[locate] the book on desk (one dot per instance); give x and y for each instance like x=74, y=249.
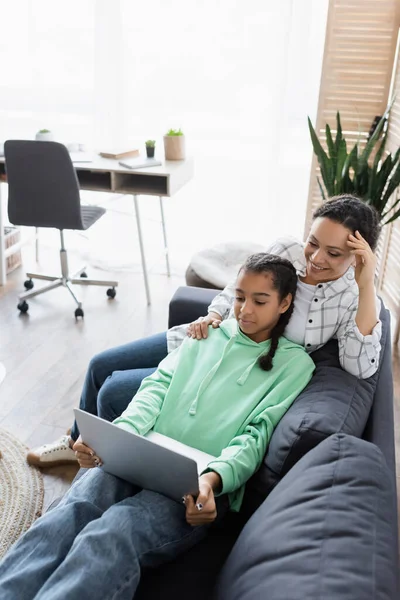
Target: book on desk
x=118, y=154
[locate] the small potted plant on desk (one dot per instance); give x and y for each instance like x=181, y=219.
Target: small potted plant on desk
x=44, y=135
x=150, y=147
x=174, y=145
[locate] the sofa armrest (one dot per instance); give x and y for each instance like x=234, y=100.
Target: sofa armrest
x=380, y=427
x=188, y=303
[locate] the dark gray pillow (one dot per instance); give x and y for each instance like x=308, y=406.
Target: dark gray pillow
x=325, y=532
x=333, y=402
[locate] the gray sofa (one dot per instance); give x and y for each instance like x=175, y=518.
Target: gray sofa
x=320, y=517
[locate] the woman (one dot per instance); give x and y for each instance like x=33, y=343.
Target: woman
x=336, y=298
x=224, y=395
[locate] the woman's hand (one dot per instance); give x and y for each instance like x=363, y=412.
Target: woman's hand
x=366, y=316
x=199, y=328
x=203, y=511
x=365, y=261
x=85, y=455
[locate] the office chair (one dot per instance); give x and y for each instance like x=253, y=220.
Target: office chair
x=43, y=191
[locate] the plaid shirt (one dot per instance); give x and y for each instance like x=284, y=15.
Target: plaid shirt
x=332, y=315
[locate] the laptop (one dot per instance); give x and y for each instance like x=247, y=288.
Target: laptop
x=154, y=462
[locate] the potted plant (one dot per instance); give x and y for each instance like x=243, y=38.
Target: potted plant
x=150, y=147
x=355, y=172
x=44, y=135
x=174, y=145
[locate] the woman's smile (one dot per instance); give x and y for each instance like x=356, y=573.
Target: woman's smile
x=317, y=267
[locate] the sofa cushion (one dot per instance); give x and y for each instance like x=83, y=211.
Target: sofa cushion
x=333, y=402
x=325, y=532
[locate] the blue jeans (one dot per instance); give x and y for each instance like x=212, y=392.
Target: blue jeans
x=96, y=541
x=114, y=376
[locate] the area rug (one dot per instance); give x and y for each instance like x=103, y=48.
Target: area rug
x=21, y=491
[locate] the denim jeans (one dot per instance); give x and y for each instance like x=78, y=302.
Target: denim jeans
x=96, y=541
x=114, y=376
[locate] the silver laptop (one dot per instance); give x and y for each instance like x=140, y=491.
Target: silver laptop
x=154, y=462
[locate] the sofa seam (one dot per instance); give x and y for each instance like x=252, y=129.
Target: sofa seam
x=328, y=510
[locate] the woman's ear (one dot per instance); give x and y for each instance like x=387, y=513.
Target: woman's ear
x=285, y=304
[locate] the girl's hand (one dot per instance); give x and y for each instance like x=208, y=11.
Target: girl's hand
x=203, y=511
x=85, y=455
x=199, y=328
x=365, y=260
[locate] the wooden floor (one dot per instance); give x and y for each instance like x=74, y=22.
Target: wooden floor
x=46, y=355
x=46, y=352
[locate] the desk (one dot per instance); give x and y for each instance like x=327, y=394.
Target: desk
x=106, y=175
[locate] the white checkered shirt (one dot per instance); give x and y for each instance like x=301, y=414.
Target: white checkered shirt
x=331, y=315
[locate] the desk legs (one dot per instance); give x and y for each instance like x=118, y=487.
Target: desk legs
x=165, y=236
x=142, y=255
x=3, y=277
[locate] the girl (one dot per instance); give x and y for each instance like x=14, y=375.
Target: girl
x=224, y=396
x=335, y=298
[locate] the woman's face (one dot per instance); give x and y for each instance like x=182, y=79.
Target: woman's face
x=327, y=253
x=257, y=305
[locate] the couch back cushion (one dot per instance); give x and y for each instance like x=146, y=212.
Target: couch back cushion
x=333, y=402
x=325, y=531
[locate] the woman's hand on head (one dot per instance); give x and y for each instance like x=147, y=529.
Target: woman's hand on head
x=203, y=510
x=199, y=328
x=365, y=260
x=86, y=456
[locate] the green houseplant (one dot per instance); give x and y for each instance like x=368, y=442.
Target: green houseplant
x=374, y=180
x=150, y=147
x=174, y=145
x=44, y=135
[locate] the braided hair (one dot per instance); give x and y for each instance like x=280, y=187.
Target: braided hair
x=354, y=214
x=284, y=280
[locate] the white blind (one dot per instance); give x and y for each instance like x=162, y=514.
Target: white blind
x=390, y=271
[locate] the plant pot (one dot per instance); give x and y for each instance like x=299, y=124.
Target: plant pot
x=174, y=147
x=44, y=137
x=150, y=151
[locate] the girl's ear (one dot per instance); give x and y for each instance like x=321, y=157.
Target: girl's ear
x=285, y=304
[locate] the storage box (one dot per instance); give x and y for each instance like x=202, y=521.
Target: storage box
x=12, y=236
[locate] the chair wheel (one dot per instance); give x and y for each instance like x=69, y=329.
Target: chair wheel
x=111, y=292
x=83, y=274
x=79, y=313
x=23, y=306
x=28, y=284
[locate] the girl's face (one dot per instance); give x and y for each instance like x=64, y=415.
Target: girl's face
x=257, y=306
x=327, y=253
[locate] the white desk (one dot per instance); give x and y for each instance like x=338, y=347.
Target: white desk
x=106, y=175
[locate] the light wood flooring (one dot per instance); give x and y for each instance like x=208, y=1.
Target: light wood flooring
x=46, y=352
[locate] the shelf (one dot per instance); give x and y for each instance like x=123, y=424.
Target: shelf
x=135, y=183
x=96, y=181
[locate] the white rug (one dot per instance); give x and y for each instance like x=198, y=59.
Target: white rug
x=2, y=372
x=21, y=491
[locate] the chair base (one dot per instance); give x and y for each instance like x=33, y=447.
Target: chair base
x=79, y=278
x=66, y=281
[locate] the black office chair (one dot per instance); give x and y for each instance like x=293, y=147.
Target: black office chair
x=43, y=191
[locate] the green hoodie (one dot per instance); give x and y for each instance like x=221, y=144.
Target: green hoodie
x=212, y=395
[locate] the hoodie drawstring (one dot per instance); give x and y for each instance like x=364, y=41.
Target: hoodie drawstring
x=206, y=381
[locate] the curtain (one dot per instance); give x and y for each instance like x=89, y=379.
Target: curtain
x=239, y=78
